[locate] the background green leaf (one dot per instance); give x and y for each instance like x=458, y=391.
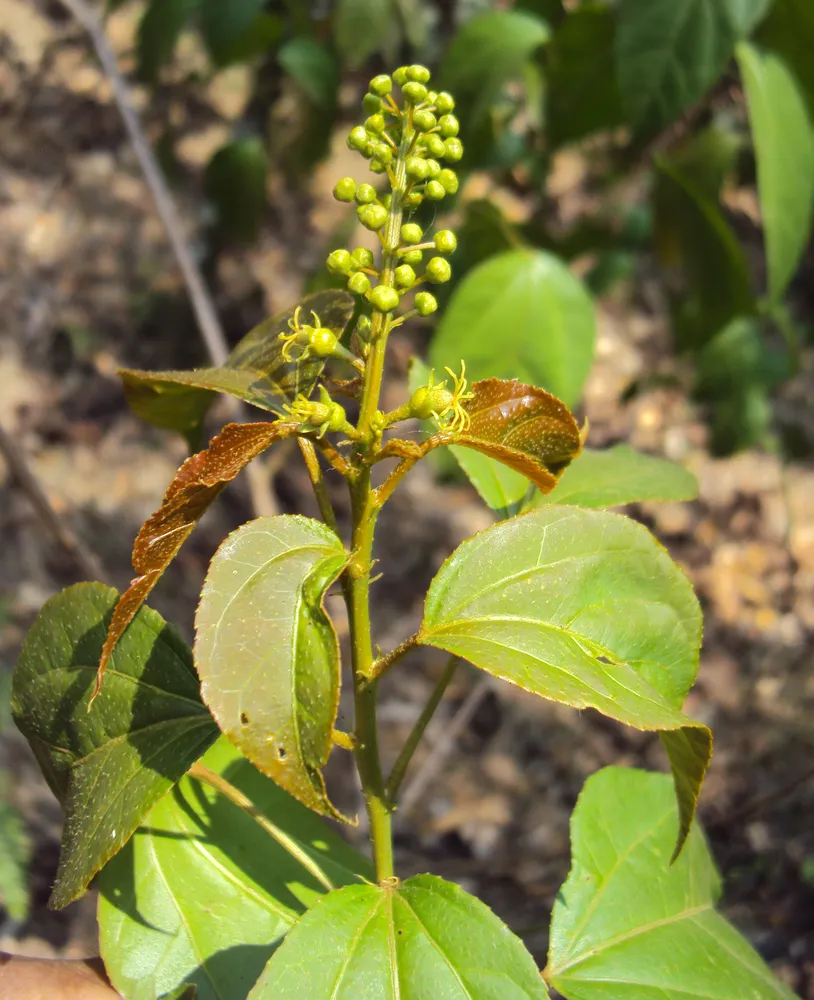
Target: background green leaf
x=789, y=31
x=266, y=652
x=362, y=27
x=313, y=68
x=159, y=29
x=419, y=939
x=235, y=182
x=227, y=26
x=627, y=923
x=783, y=135
x=620, y=475
x=108, y=766
x=15, y=853
x=203, y=894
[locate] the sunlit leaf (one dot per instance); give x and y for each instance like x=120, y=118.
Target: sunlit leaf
x=110, y=764
x=627, y=923
x=789, y=31
x=202, y=894
x=412, y=940
x=266, y=652
x=585, y=608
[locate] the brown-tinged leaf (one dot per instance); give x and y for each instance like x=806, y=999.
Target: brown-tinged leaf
x=199, y=480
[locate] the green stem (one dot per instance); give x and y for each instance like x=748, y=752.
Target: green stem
x=326, y=509
x=412, y=741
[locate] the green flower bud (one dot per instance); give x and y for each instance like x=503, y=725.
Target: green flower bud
x=414, y=93
x=431, y=96
x=405, y=276
x=363, y=326
x=424, y=120
x=411, y=232
x=449, y=179
x=412, y=257
x=383, y=153
x=418, y=72
x=387, y=201
x=438, y=270
x=358, y=138
x=430, y=399
x=359, y=283
x=323, y=342
x=384, y=298
x=446, y=241
x=345, y=189
x=377, y=167
x=381, y=84
x=367, y=152
x=416, y=168
x=444, y=102
x=435, y=191
x=362, y=257
x=375, y=124
x=400, y=76
x=435, y=146
x=425, y=304
x=449, y=125
x=365, y=194
x=371, y=103
x=433, y=169
x=413, y=199
x=339, y=262
x=453, y=150
x=372, y=216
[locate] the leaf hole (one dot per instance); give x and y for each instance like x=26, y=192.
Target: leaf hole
x=244, y=719
x=282, y=753
x=603, y=659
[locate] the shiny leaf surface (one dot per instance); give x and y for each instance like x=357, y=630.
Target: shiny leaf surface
x=110, y=764
x=203, y=894
x=266, y=652
x=584, y=608
x=629, y=924
x=414, y=940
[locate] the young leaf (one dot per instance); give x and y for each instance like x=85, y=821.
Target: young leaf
x=202, y=894
x=620, y=475
x=783, y=135
x=627, y=923
x=197, y=483
x=670, y=52
x=408, y=941
x=584, y=608
x=266, y=652
x=255, y=371
x=108, y=765
x=15, y=853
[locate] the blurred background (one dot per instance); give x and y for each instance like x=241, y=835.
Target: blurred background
x=676, y=188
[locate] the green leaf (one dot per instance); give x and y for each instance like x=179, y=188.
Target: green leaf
x=789, y=31
x=784, y=148
x=313, y=68
x=414, y=940
x=362, y=28
x=182, y=993
x=159, y=29
x=669, y=53
x=110, y=764
x=235, y=182
x=226, y=25
x=620, y=475
x=629, y=924
x=266, y=652
x=585, y=608
x=582, y=95
x=15, y=853
x=203, y=894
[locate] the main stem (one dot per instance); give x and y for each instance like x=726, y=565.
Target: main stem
x=364, y=510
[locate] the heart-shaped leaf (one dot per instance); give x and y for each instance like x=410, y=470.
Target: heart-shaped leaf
x=585, y=608
x=203, y=895
x=197, y=483
x=627, y=923
x=620, y=475
x=255, y=372
x=266, y=652
x=110, y=764
x=408, y=941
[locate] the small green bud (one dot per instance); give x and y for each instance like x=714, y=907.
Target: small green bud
x=372, y=216
x=418, y=73
x=363, y=326
x=435, y=191
x=435, y=146
x=430, y=399
x=375, y=124
x=362, y=257
x=383, y=153
x=371, y=103
x=453, y=150
x=405, y=276
x=433, y=169
x=449, y=125
x=431, y=96
x=322, y=342
x=387, y=201
x=438, y=270
x=424, y=120
x=425, y=304
x=400, y=76
x=414, y=93
x=411, y=232
x=412, y=257
x=339, y=262
x=365, y=194
x=367, y=152
x=377, y=167
x=444, y=102
x=416, y=168
x=413, y=199
x=381, y=84
x=384, y=298
x=449, y=179
x=358, y=138
x=446, y=241
x=345, y=189
x=359, y=283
